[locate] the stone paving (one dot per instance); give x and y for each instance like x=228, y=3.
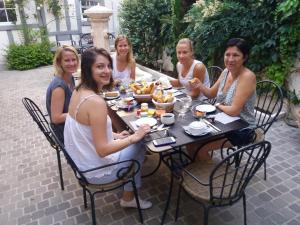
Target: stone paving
x=30, y=192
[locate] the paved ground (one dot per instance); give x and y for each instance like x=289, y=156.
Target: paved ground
x=30, y=192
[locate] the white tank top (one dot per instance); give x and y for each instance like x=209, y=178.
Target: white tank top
x=80, y=146
x=119, y=75
x=184, y=81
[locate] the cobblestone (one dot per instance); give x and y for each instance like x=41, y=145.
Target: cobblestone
x=30, y=192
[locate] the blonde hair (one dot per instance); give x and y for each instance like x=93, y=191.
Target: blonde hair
x=188, y=42
x=58, y=57
x=130, y=58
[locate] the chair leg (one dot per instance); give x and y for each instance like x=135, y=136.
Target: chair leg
x=137, y=201
x=84, y=197
x=168, y=201
x=93, y=208
x=206, y=212
x=244, y=207
x=178, y=202
x=265, y=170
x=60, y=171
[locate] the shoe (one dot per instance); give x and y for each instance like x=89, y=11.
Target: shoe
x=132, y=204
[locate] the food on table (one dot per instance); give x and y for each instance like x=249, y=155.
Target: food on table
x=128, y=100
x=159, y=112
x=200, y=114
x=111, y=94
x=162, y=97
x=194, y=80
x=142, y=89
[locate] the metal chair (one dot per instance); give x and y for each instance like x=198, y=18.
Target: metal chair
x=223, y=183
x=125, y=175
x=43, y=124
x=214, y=74
x=85, y=42
x=268, y=106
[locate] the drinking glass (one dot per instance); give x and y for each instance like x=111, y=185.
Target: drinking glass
x=182, y=106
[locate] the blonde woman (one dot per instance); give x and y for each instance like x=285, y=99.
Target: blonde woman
x=65, y=62
x=189, y=68
x=123, y=61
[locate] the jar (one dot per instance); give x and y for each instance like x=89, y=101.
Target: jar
x=144, y=107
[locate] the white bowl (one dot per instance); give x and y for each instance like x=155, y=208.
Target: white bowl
x=197, y=127
x=167, y=118
x=168, y=106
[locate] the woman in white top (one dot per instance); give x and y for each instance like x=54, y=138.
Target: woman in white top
x=88, y=134
x=123, y=61
x=189, y=68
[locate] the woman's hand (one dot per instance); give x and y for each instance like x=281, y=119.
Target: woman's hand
x=122, y=135
x=195, y=83
x=140, y=133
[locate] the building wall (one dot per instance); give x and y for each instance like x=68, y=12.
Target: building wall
x=71, y=22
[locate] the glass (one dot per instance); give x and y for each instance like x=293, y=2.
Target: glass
x=182, y=106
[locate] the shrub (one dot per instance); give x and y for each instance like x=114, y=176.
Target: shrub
x=25, y=57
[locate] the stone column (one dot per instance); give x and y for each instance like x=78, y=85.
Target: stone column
x=99, y=16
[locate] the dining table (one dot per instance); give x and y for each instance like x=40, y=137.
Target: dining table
x=124, y=119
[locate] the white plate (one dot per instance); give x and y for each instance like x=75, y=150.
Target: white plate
x=121, y=104
x=146, y=120
x=187, y=130
x=206, y=108
x=114, y=97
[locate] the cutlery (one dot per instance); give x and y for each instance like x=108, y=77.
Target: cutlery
x=212, y=126
x=156, y=130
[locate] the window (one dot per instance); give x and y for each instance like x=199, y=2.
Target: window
x=7, y=11
x=86, y=4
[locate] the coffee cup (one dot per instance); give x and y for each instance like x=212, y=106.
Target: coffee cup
x=197, y=127
x=167, y=118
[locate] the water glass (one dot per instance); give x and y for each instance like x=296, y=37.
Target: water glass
x=182, y=106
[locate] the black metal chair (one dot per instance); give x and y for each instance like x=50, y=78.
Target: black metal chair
x=43, y=124
x=223, y=183
x=85, y=42
x=214, y=74
x=268, y=106
x=125, y=175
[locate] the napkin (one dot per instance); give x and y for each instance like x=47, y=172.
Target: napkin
x=224, y=118
x=133, y=124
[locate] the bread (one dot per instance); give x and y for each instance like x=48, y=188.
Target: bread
x=111, y=94
x=194, y=80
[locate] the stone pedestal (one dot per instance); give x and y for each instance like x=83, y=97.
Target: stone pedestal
x=99, y=16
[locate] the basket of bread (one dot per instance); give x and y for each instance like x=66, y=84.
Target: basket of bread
x=164, y=100
x=143, y=92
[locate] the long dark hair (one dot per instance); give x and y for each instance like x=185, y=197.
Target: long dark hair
x=88, y=58
x=241, y=44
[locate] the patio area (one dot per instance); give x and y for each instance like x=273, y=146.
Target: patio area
x=29, y=184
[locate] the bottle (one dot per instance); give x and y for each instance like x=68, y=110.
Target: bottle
x=144, y=107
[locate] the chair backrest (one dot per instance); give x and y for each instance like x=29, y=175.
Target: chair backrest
x=41, y=121
x=64, y=39
x=230, y=177
x=214, y=74
x=268, y=103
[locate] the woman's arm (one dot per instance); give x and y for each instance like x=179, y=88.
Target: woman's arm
x=245, y=87
x=199, y=72
x=132, y=71
x=97, y=114
x=57, y=106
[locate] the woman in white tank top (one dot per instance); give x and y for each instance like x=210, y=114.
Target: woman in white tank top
x=88, y=134
x=123, y=61
x=188, y=68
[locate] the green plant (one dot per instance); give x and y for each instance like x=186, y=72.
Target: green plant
x=140, y=21
x=24, y=57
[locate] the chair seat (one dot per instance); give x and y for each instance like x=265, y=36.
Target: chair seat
x=202, y=172
x=111, y=185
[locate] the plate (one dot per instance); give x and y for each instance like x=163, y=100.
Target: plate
x=206, y=108
x=146, y=120
x=121, y=104
x=111, y=97
x=186, y=129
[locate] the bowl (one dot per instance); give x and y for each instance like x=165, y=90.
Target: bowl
x=167, y=118
x=197, y=127
x=168, y=106
x=143, y=97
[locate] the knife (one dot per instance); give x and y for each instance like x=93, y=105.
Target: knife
x=212, y=126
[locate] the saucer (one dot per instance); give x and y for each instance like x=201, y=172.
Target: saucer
x=187, y=130
x=146, y=120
